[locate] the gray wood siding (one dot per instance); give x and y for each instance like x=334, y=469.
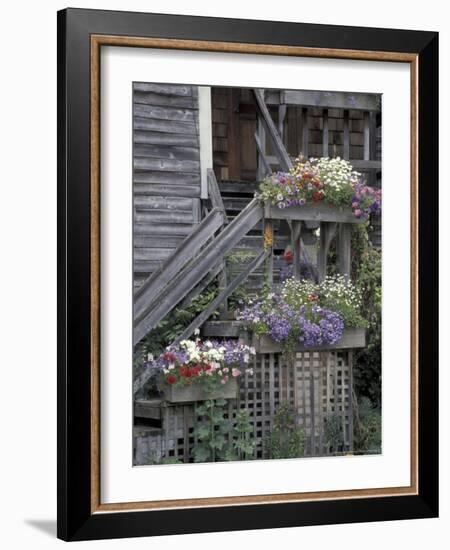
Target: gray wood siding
x=166, y=171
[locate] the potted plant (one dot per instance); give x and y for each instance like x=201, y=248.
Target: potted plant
x=303, y=315
x=197, y=370
x=320, y=189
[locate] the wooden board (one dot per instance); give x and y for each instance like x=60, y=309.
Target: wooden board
x=313, y=212
x=351, y=339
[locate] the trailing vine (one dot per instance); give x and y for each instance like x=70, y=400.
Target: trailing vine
x=366, y=272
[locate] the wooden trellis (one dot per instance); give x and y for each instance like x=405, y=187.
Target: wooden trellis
x=316, y=385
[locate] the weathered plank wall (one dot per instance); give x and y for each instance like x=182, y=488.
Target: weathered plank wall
x=166, y=171
x=234, y=123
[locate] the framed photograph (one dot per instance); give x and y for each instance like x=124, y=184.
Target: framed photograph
x=247, y=274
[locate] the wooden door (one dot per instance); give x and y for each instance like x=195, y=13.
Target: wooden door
x=234, y=125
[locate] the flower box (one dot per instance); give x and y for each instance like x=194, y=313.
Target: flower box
x=320, y=212
x=351, y=338
x=198, y=392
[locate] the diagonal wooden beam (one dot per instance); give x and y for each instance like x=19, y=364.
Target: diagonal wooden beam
x=214, y=194
x=280, y=150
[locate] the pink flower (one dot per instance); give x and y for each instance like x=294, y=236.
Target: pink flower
x=236, y=373
x=358, y=213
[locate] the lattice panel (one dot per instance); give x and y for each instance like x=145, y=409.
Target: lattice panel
x=317, y=386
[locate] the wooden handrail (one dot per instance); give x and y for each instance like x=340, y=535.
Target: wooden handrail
x=222, y=296
x=154, y=308
x=150, y=289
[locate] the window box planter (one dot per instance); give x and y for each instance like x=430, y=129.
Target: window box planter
x=351, y=339
x=320, y=212
x=197, y=392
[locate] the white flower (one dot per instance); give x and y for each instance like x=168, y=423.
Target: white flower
x=197, y=331
x=150, y=357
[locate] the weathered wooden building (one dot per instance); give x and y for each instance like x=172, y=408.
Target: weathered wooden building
x=199, y=154
x=169, y=174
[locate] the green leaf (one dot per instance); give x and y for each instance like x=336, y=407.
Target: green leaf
x=201, y=453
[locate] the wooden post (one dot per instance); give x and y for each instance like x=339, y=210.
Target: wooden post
x=312, y=404
x=268, y=245
x=281, y=118
x=234, y=153
x=305, y=133
x=296, y=229
x=350, y=399
x=261, y=142
x=346, y=149
x=223, y=308
x=344, y=249
x=327, y=232
x=325, y=134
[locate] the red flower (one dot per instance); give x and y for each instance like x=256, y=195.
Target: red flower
x=316, y=183
x=171, y=379
x=288, y=255
x=195, y=371
x=317, y=196
x=169, y=356
x=206, y=367
x=185, y=372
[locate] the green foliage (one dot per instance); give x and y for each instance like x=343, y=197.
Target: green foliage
x=286, y=440
x=366, y=271
x=153, y=459
x=336, y=293
x=334, y=434
x=367, y=427
x=239, y=257
x=242, y=447
x=211, y=431
x=172, y=325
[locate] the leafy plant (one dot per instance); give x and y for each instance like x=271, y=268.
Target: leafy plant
x=211, y=431
x=242, y=447
x=238, y=257
x=154, y=459
x=367, y=427
x=286, y=439
x=334, y=434
x=367, y=271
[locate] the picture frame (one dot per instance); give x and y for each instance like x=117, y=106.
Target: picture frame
x=81, y=35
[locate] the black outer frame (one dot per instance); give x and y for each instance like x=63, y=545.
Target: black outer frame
x=75, y=521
